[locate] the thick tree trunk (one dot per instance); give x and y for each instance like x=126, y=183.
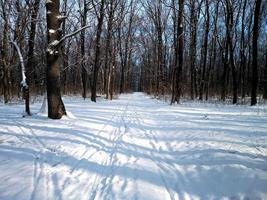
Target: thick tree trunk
x=255, y=80
x=56, y=108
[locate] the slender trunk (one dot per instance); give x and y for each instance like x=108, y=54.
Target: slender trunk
x=229, y=29
x=265, y=75
x=225, y=71
x=30, y=57
x=108, y=52
x=205, y=51
x=255, y=80
x=4, y=52
x=193, y=42
x=179, y=55
x=97, y=50
x=65, y=57
x=213, y=52
x=84, y=71
x=242, y=53
x=24, y=84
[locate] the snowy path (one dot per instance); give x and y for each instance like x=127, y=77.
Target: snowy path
x=134, y=148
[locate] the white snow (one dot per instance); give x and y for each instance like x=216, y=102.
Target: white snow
x=23, y=82
x=134, y=148
x=52, y=31
x=54, y=43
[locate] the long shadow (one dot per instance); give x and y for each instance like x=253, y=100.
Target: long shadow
x=188, y=157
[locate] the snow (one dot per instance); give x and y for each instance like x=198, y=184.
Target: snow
x=134, y=147
x=52, y=31
x=23, y=71
x=54, y=43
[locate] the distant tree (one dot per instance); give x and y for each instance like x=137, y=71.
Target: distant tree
x=255, y=78
x=30, y=55
x=179, y=50
x=205, y=50
x=84, y=71
x=265, y=75
x=5, y=68
x=100, y=20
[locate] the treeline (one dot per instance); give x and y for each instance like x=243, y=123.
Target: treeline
x=204, y=49
x=196, y=48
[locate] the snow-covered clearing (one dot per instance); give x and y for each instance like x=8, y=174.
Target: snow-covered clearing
x=134, y=148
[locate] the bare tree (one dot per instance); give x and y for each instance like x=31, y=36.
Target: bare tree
x=30, y=54
x=100, y=19
x=255, y=53
x=176, y=94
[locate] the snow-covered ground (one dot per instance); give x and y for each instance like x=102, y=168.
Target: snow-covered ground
x=134, y=148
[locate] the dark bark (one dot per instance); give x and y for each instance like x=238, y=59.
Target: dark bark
x=178, y=56
x=56, y=108
x=97, y=50
x=225, y=72
x=205, y=51
x=255, y=80
x=265, y=75
x=4, y=54
x=30, y=56
x=125, y=56
x=213, y=52
x=84, y=71
x=230, y=30
x=242, y=53
x=65, y=54
x=193, y=42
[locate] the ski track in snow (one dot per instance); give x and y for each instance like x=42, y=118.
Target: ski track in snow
x=136, y=148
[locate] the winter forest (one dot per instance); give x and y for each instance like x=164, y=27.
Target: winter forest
x=133, y=99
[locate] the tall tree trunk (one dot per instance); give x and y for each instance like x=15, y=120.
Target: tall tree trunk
x=108, y=51
x=30, y=57
x=242, y=53
x=225, y=71
x=4, y=51
x=230, y=34
x=265, y=75
x=84, y=71
x=179, y=55
x=97, y=50
x=193, y=42
x=213, y=52
x=64, y=52
x=255, y=80
x=56, y=108
x=205, y=51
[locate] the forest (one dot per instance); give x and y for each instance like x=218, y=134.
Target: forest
x=194, y=49
x=133, y=99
